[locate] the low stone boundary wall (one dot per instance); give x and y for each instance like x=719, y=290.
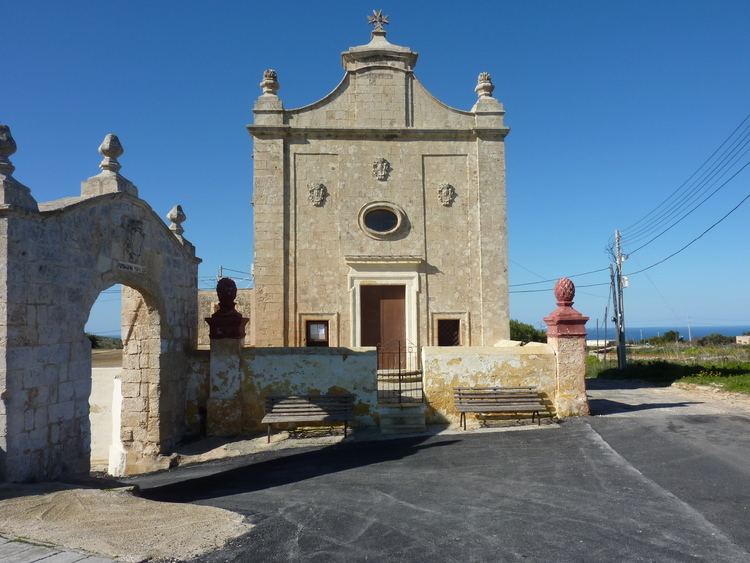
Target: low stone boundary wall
x=236, y=404
x=506, y=366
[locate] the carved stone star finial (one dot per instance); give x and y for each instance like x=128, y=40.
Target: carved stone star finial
x=378, y=20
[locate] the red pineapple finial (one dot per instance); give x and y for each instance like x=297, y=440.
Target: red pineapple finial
x=565, y=291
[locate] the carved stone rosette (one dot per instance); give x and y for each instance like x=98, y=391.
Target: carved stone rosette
x=381, y=169
x=446, y=194
x=317, y=194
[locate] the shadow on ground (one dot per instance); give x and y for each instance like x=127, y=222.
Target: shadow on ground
x=605, y=406
x=272, y=469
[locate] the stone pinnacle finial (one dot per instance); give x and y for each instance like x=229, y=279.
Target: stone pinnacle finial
x=7, y=148
x=270, y=83
x=378, y=20
x=109, y=180
x=176, y=217
x=484, y=87
x=111, y=149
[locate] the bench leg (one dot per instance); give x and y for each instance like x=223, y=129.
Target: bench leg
x=269, y=434
x=538, y=419
x=345, y=425
x=462, y=420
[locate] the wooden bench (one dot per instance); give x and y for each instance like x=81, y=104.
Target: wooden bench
x=498, y=399
x=308, y=408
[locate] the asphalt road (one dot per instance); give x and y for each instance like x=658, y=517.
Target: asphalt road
x=659, y=478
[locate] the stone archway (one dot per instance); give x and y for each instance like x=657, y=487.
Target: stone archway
x=60, y=256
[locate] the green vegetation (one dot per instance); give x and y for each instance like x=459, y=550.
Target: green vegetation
x=726, y=367
x=667, y=338
x=104, y=342
x=715, y=339
x=526, y=332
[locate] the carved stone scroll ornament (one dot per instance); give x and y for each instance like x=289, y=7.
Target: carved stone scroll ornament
x=317, y=194
x=446, y=194
x=381, y=169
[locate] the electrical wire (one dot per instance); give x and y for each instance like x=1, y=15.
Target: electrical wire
x=700, y=236
x=555, y=279
x=707, y=180
x=676, y=191
x=690, y=200
x=552, y=288
x=732, y=177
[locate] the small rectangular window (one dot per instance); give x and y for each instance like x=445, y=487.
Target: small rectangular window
x=449, y=332
x=316, y=333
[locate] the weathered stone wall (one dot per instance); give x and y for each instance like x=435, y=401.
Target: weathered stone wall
x=59, y=260
x=272, y=371
x=511, y=365
x=196, y=392
x=208, y=304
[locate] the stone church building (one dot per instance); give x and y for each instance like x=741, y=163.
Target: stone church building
x=380, y=212
x=380, y=233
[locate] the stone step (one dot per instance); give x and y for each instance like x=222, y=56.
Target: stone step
x=402, y=420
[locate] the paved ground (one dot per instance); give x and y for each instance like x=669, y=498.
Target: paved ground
x=663, y=476
x=23, y=552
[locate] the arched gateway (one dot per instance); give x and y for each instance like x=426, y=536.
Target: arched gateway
x=57, y=257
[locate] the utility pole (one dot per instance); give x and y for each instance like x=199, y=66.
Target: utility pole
x=617, y=286
x=690, y=336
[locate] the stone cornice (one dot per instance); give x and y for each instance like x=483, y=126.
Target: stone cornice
x=357, y=133
x=382, y=259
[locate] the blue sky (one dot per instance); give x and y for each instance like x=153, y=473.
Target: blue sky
x=612, y=106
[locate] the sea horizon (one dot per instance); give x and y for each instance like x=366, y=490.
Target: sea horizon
x=637, y=333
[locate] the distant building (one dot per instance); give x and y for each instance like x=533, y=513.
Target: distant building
x=744, y=339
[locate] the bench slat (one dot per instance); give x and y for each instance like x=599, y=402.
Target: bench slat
x=493, y=399
x=308, y=408
x=305, y=418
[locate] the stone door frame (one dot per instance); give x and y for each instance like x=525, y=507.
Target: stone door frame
x=383, y=271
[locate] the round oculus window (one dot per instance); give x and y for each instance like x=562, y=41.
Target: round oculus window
x=381, y=220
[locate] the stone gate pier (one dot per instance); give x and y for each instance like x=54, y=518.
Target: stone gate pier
x=55, y=260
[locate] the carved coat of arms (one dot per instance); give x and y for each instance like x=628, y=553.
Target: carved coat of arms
x=134, y=238
x=381, y=168
x=317, y=194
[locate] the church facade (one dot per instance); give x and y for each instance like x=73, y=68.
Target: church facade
x=379, y=212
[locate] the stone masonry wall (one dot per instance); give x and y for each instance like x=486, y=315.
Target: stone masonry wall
x=511, y=365
x=59, y=261
x=272, y=371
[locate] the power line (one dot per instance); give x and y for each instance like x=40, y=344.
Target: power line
x=552, y=288
x=700, y=186
x=525, y=268
x=557, y=278
x=703, y=164
x=700, y=236
x=732, y=177
x=690, y=199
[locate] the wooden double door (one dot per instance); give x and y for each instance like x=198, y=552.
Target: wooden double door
x=383, y=321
